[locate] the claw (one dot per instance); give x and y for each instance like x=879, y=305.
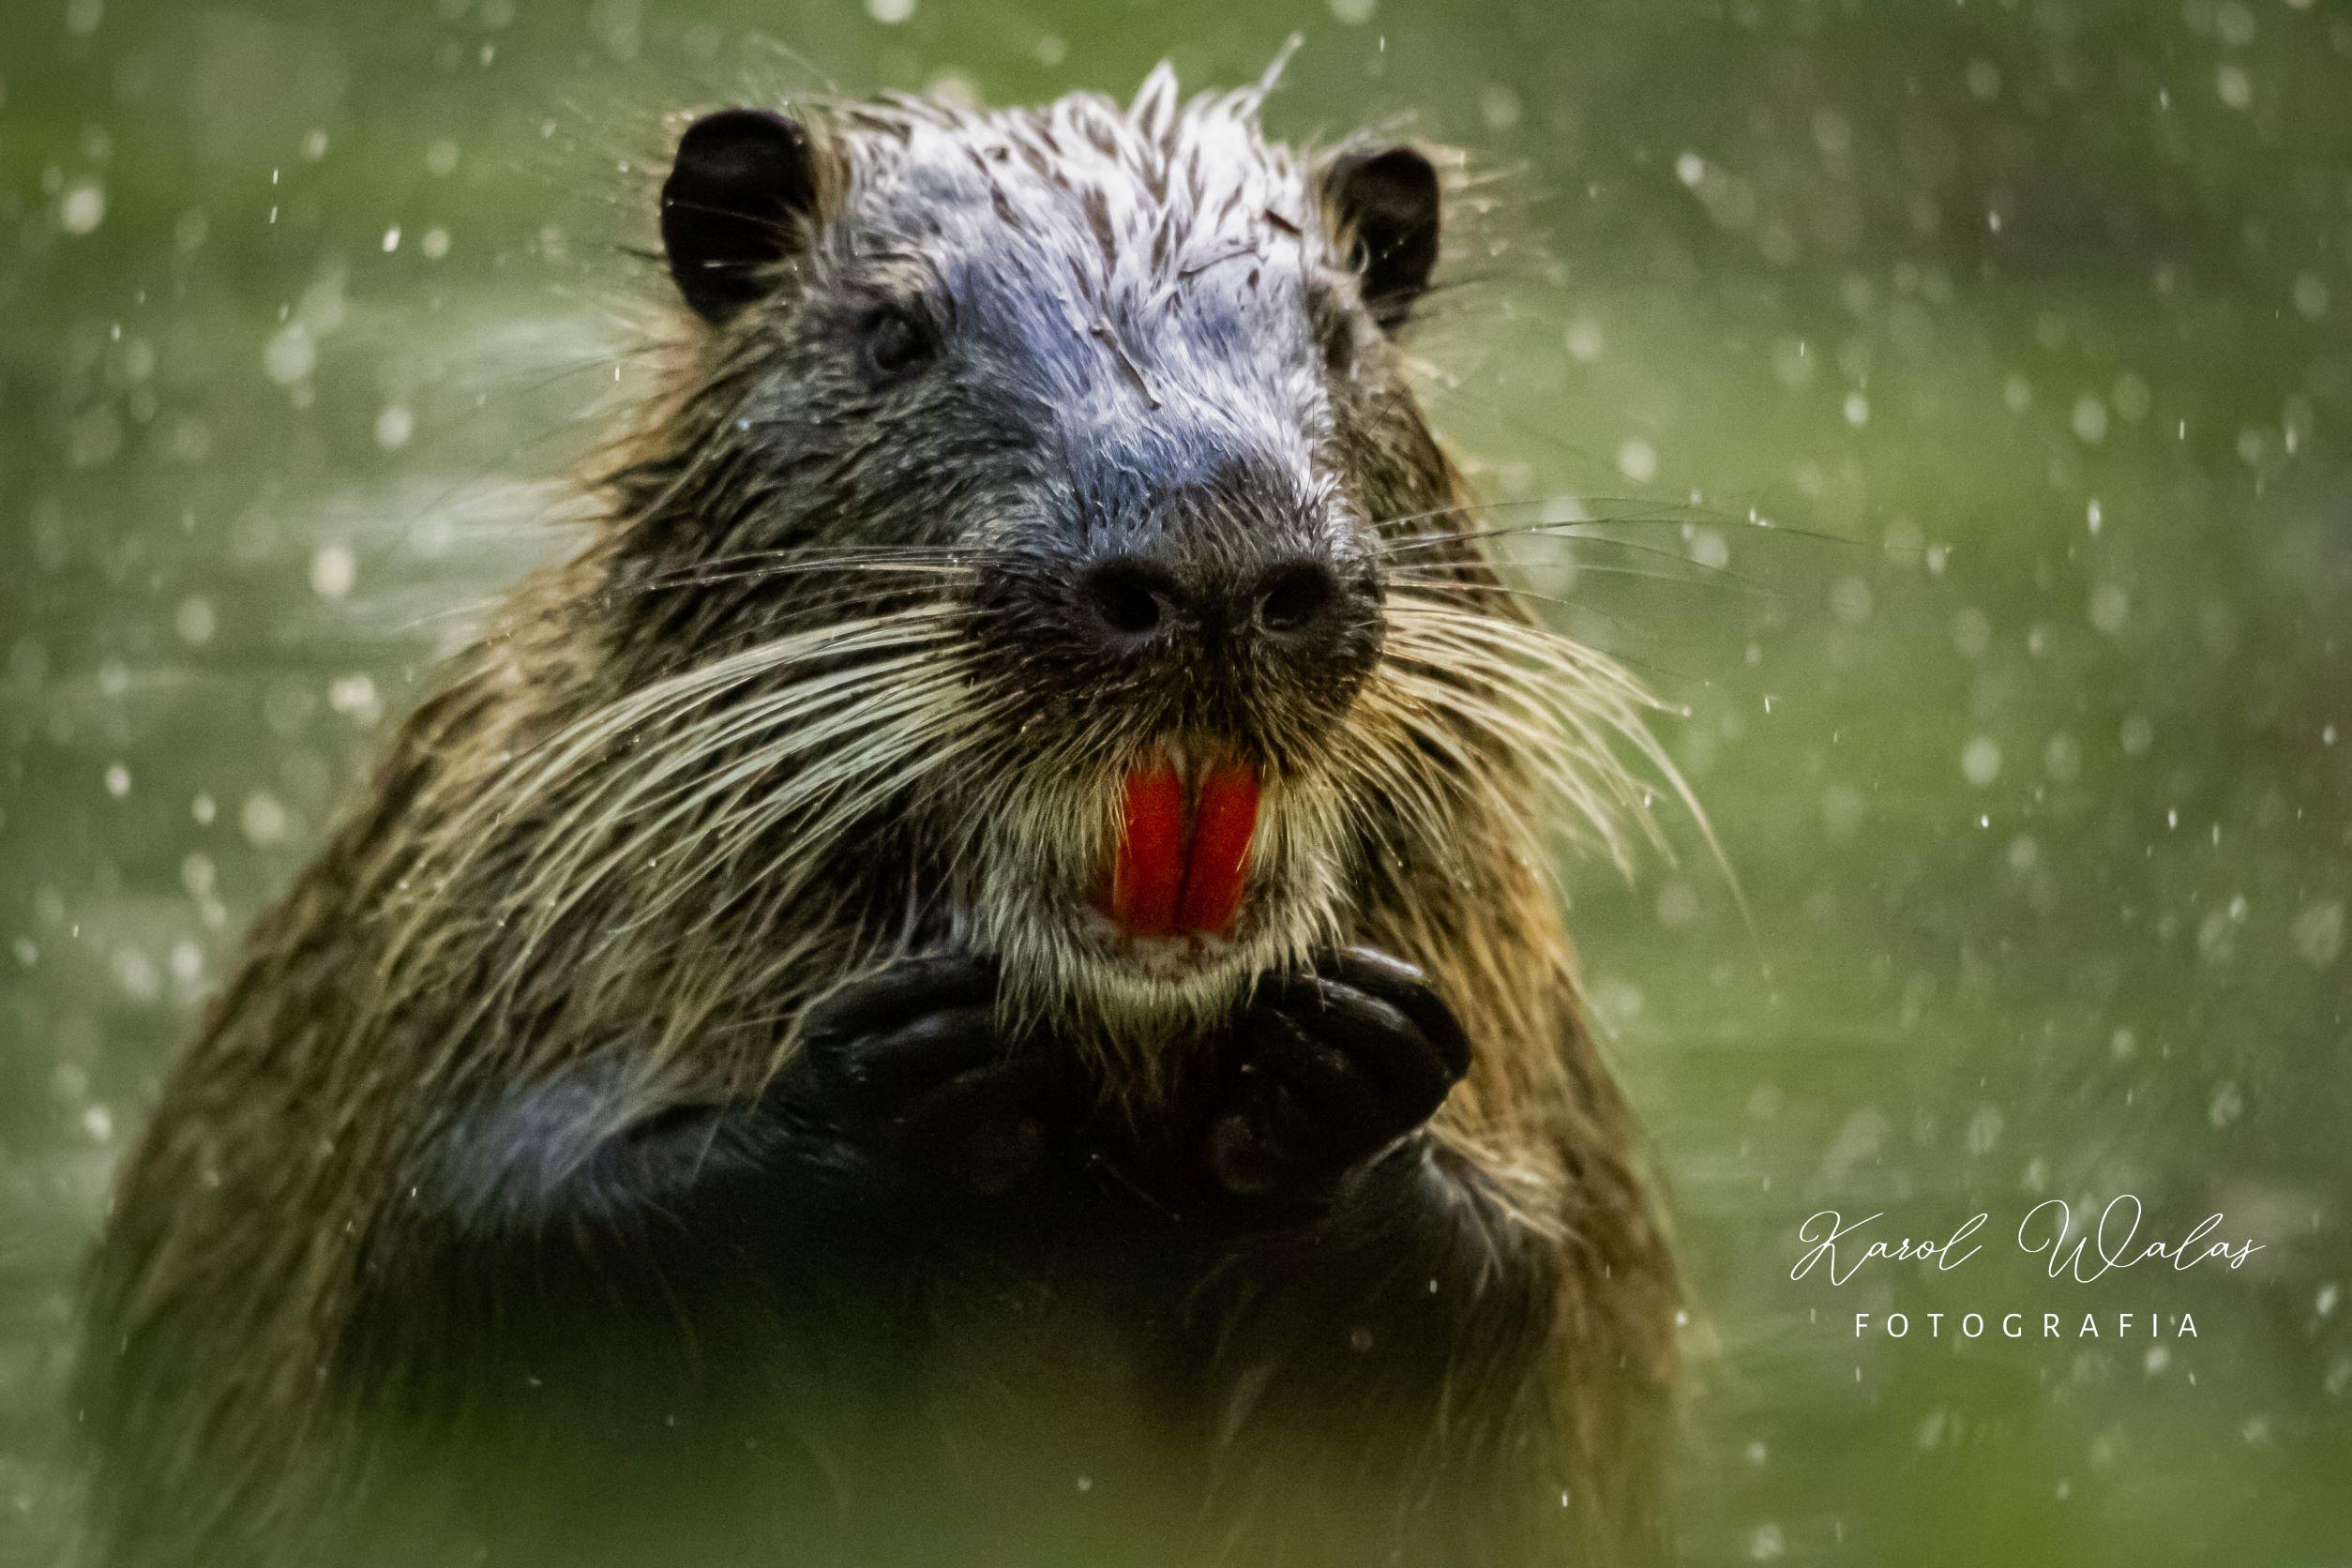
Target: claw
x=1334, y=1067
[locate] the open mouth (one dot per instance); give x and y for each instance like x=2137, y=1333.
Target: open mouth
x=1182, y=854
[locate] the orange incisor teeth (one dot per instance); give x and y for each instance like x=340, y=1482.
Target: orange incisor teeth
x=1181, y=861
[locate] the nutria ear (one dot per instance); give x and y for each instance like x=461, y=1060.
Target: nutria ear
x=1388, y=202
x=735, y=202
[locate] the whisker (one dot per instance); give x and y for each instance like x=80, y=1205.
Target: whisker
x=1472, y=591
x=1565, y=531
x=741, y=821
x=889, y=754
x=878, y=634
x=761, y=562
x=575, y=753
x=1637, y=512
x=815, y=706
x=1560, y=706
x=1427, y=577
x=1649, y=508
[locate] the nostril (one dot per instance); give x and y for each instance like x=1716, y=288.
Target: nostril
x=1126, y=594
x=1293, y=596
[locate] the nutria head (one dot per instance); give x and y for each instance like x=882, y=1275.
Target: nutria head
x=1041, y=524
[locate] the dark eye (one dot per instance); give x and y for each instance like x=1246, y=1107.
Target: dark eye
x=895, y=340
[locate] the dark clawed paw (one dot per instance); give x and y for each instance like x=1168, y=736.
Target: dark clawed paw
x=906, y=1070
x=1330, y=1068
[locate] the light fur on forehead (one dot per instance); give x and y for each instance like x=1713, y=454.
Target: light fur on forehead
x=1161, y=186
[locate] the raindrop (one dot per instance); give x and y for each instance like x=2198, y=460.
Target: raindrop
x=263, y=819
x=291, y=354
x=2319, y=932
x=333, y=570
x=83, y=207
x=2110, y=607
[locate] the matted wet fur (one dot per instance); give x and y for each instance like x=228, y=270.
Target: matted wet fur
x=479, y=1223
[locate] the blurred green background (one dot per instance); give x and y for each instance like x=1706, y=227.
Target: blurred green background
x=2036, y=770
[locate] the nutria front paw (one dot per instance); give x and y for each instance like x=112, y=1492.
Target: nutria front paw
x=905, y=1075
x=1330, y=1068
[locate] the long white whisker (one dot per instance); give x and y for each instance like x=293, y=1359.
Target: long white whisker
x=1562, y=708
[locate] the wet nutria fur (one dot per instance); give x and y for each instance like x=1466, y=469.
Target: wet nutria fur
x=696, y=1107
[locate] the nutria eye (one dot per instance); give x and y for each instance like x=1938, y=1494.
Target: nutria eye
x=896, y=340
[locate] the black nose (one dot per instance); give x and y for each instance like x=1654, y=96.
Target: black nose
x=1298, y=605
x=1293, y=598
x=1130, y=597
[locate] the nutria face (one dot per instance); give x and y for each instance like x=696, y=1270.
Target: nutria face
x=1102, y=402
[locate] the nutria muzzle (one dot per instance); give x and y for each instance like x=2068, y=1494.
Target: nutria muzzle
x=1237, y=605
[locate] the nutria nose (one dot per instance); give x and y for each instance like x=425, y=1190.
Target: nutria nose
x=1288, y=600
x=1298, y=605
x=1130, y=597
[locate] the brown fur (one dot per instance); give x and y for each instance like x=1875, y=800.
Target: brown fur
x=413, y=970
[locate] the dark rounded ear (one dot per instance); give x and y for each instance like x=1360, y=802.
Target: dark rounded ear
x=733, y=205
x=1388, y=201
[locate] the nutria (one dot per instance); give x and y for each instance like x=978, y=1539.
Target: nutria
x=976, y=978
